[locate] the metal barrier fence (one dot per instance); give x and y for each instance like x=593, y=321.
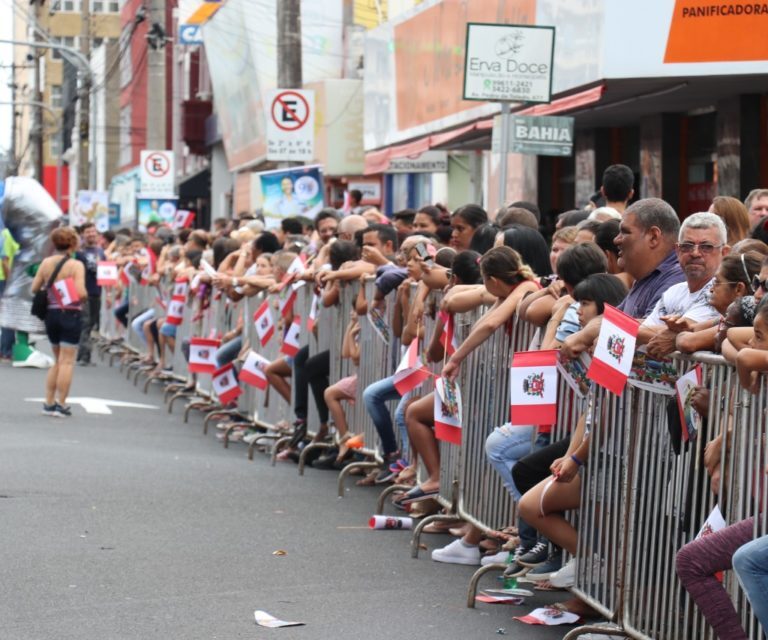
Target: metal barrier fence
x=641, y=500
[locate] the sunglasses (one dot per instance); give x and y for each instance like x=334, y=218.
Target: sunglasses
x=757, y=283
x=705, y=248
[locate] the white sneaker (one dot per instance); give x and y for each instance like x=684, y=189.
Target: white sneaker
x=497, y=558
x=36, y=359
x=566, y=577
x=457, y=553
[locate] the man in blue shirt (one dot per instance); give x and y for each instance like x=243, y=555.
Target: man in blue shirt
x=90, y=254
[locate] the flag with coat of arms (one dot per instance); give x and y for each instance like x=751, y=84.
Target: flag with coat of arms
x=225, y=384
x=614, y=350
x=180, y=287
x=202, y=355
x=106, y=273
x=253, y=371
x=533, y=388
x=292, y=339
x=264, y=322
x=175, y=314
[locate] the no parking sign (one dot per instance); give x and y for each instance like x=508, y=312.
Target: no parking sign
x=290, y=125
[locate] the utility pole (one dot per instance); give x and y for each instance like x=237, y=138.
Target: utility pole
x=13, y=165
x=87, y=137
x=156, y=103
x=37, y=120
x=289, y=75
x=289, y=70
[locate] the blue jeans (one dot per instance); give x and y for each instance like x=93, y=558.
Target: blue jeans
x=376, y=396
x=750, y=562
x=504, y=447
x=137, y=324
x=227, y=352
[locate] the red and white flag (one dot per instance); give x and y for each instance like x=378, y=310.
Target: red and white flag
x=285, y=299
x=411, y=373
x=65, y=292
x=614, y=350
x=448, y=337
x=448, y=411
x=183, y=219
x=106, y=273
x=175, y=313
x=150, y=268
x=313, y=311
x=202, y=355
x=292, y=338
x=125, y=279
x=533, y=388
x=253, y=371
x=180, y=287
x=265, y=323
x=298, y=266
x=225, y=384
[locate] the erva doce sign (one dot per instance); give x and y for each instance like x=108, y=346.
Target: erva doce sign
x=508, y=62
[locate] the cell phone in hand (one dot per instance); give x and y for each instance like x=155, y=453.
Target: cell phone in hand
x=421, y=249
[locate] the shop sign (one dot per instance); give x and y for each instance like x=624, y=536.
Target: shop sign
x=540, y=135
x=508, y=63
x=427, y=162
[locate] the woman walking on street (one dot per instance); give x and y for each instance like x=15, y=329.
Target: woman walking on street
x=64, y=280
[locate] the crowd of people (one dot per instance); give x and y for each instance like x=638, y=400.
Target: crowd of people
x=696, y=285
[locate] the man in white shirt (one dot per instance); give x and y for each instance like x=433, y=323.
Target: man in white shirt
x=700, y=249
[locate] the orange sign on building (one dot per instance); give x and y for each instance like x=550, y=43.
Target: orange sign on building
x=719, y=31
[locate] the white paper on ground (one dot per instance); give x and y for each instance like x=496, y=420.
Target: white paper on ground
x=263, y=619
x=549, y=617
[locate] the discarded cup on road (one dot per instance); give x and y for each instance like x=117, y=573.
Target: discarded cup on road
x=390, y=522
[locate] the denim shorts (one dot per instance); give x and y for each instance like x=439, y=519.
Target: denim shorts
x=168, y=330
x=63, y=327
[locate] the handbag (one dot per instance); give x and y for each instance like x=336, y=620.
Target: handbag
x=40, y=299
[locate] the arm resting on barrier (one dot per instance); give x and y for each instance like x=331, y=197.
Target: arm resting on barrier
x=494, y=318
x=413, y=326
x=579, y=342
x=749, y=364
x=467, y=299
x=691, y=341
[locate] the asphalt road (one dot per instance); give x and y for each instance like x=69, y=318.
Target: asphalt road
x=135, y=525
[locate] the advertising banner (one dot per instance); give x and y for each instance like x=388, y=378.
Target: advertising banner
x=160, y=210
x=291, y=192
x=91, y=206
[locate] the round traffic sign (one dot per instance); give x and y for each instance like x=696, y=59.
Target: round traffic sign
x=290, y=111
x=157, y=165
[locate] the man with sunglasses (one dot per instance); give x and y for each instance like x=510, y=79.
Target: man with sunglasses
x=700, y=249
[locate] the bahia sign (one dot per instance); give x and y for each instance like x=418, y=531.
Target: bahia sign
x=507, y=62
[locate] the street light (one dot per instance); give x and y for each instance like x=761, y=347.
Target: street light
x=85, y=66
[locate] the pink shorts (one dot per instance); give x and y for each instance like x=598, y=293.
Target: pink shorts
x=348, y=386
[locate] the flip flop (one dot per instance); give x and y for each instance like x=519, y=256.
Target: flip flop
x=414, y=495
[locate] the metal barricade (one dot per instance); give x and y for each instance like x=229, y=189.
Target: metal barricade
x=376, y=363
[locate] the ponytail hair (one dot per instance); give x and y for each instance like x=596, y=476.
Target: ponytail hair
x=505, y=264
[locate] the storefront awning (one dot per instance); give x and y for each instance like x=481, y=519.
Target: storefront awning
x=378, y=161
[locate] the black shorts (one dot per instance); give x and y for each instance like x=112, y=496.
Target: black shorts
x=63, y=327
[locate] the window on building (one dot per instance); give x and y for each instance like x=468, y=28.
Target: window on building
x=97, y=6
x=67, y=41
x=54, y=145
x=67, y=5
x=56, y=96
x=97, y=42
x=114, y=7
